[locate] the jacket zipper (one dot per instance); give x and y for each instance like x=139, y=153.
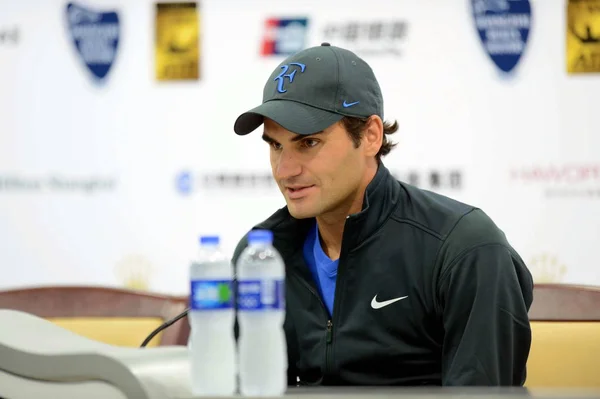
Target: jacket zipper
x=329, y=328
x=328, y=347
x=329, y=366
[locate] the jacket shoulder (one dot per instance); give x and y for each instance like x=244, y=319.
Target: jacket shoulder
x=432, y=212
x=457, y=224
x=459, y=227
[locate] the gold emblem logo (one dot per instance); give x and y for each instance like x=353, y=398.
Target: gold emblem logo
x=583, y=36
x=134, y=272
x=547, y=268
x=177, y=41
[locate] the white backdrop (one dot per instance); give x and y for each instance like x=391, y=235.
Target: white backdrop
x=90, y=174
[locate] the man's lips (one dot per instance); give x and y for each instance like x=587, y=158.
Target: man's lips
x=296, y=192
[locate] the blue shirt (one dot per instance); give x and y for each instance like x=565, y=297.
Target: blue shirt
x=323, y=269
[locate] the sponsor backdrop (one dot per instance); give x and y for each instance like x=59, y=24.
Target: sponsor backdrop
x=117, y=148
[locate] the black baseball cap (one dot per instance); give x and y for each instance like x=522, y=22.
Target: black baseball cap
x=314, y=88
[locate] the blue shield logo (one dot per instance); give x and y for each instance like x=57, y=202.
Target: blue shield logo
x=503, y=27
x=96, y=37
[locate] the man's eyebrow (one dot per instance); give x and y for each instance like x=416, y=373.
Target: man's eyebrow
x=304, y=136
x=268, y=139
x=298, y=137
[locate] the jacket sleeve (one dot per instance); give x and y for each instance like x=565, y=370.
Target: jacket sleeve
x=485, y=295
x=291, y=341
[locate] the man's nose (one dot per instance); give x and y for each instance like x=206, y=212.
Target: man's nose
x=288, y=166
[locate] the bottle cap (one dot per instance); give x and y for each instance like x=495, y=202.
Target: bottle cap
x=209, y=240
x=260, y=236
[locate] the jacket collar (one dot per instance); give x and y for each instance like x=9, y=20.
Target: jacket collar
x=380, y=200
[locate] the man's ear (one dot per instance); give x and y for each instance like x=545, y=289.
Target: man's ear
x=373, y=135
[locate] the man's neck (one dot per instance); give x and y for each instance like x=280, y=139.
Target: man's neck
x=331, y=231
x=331, y=225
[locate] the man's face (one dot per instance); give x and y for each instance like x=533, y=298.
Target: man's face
x=317, y=174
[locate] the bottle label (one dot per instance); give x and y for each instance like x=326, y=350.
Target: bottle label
x=211, y=295
x=261, y=294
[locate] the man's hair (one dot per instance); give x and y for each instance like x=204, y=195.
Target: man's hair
x=356, y=127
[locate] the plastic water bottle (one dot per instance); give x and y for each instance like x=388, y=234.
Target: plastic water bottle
x=212, y=344
x=261, y=312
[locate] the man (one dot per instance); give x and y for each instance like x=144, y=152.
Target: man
x=386, y=284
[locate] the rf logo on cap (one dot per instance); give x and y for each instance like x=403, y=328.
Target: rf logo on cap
x=280, y=78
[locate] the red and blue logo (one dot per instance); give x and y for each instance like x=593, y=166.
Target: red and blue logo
x=284, y=36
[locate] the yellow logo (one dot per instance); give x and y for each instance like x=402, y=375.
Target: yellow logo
x=134, y=272
x=583, y=36
x=546, y=268
x=177, y=44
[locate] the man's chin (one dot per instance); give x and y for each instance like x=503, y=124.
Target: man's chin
x=298, y=213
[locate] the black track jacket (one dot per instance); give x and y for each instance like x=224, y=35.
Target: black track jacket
x=463, y=320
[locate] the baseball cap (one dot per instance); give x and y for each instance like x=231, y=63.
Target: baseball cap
x=313, y=89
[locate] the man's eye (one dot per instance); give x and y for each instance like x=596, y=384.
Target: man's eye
x=310, y=142
x=276, y=146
